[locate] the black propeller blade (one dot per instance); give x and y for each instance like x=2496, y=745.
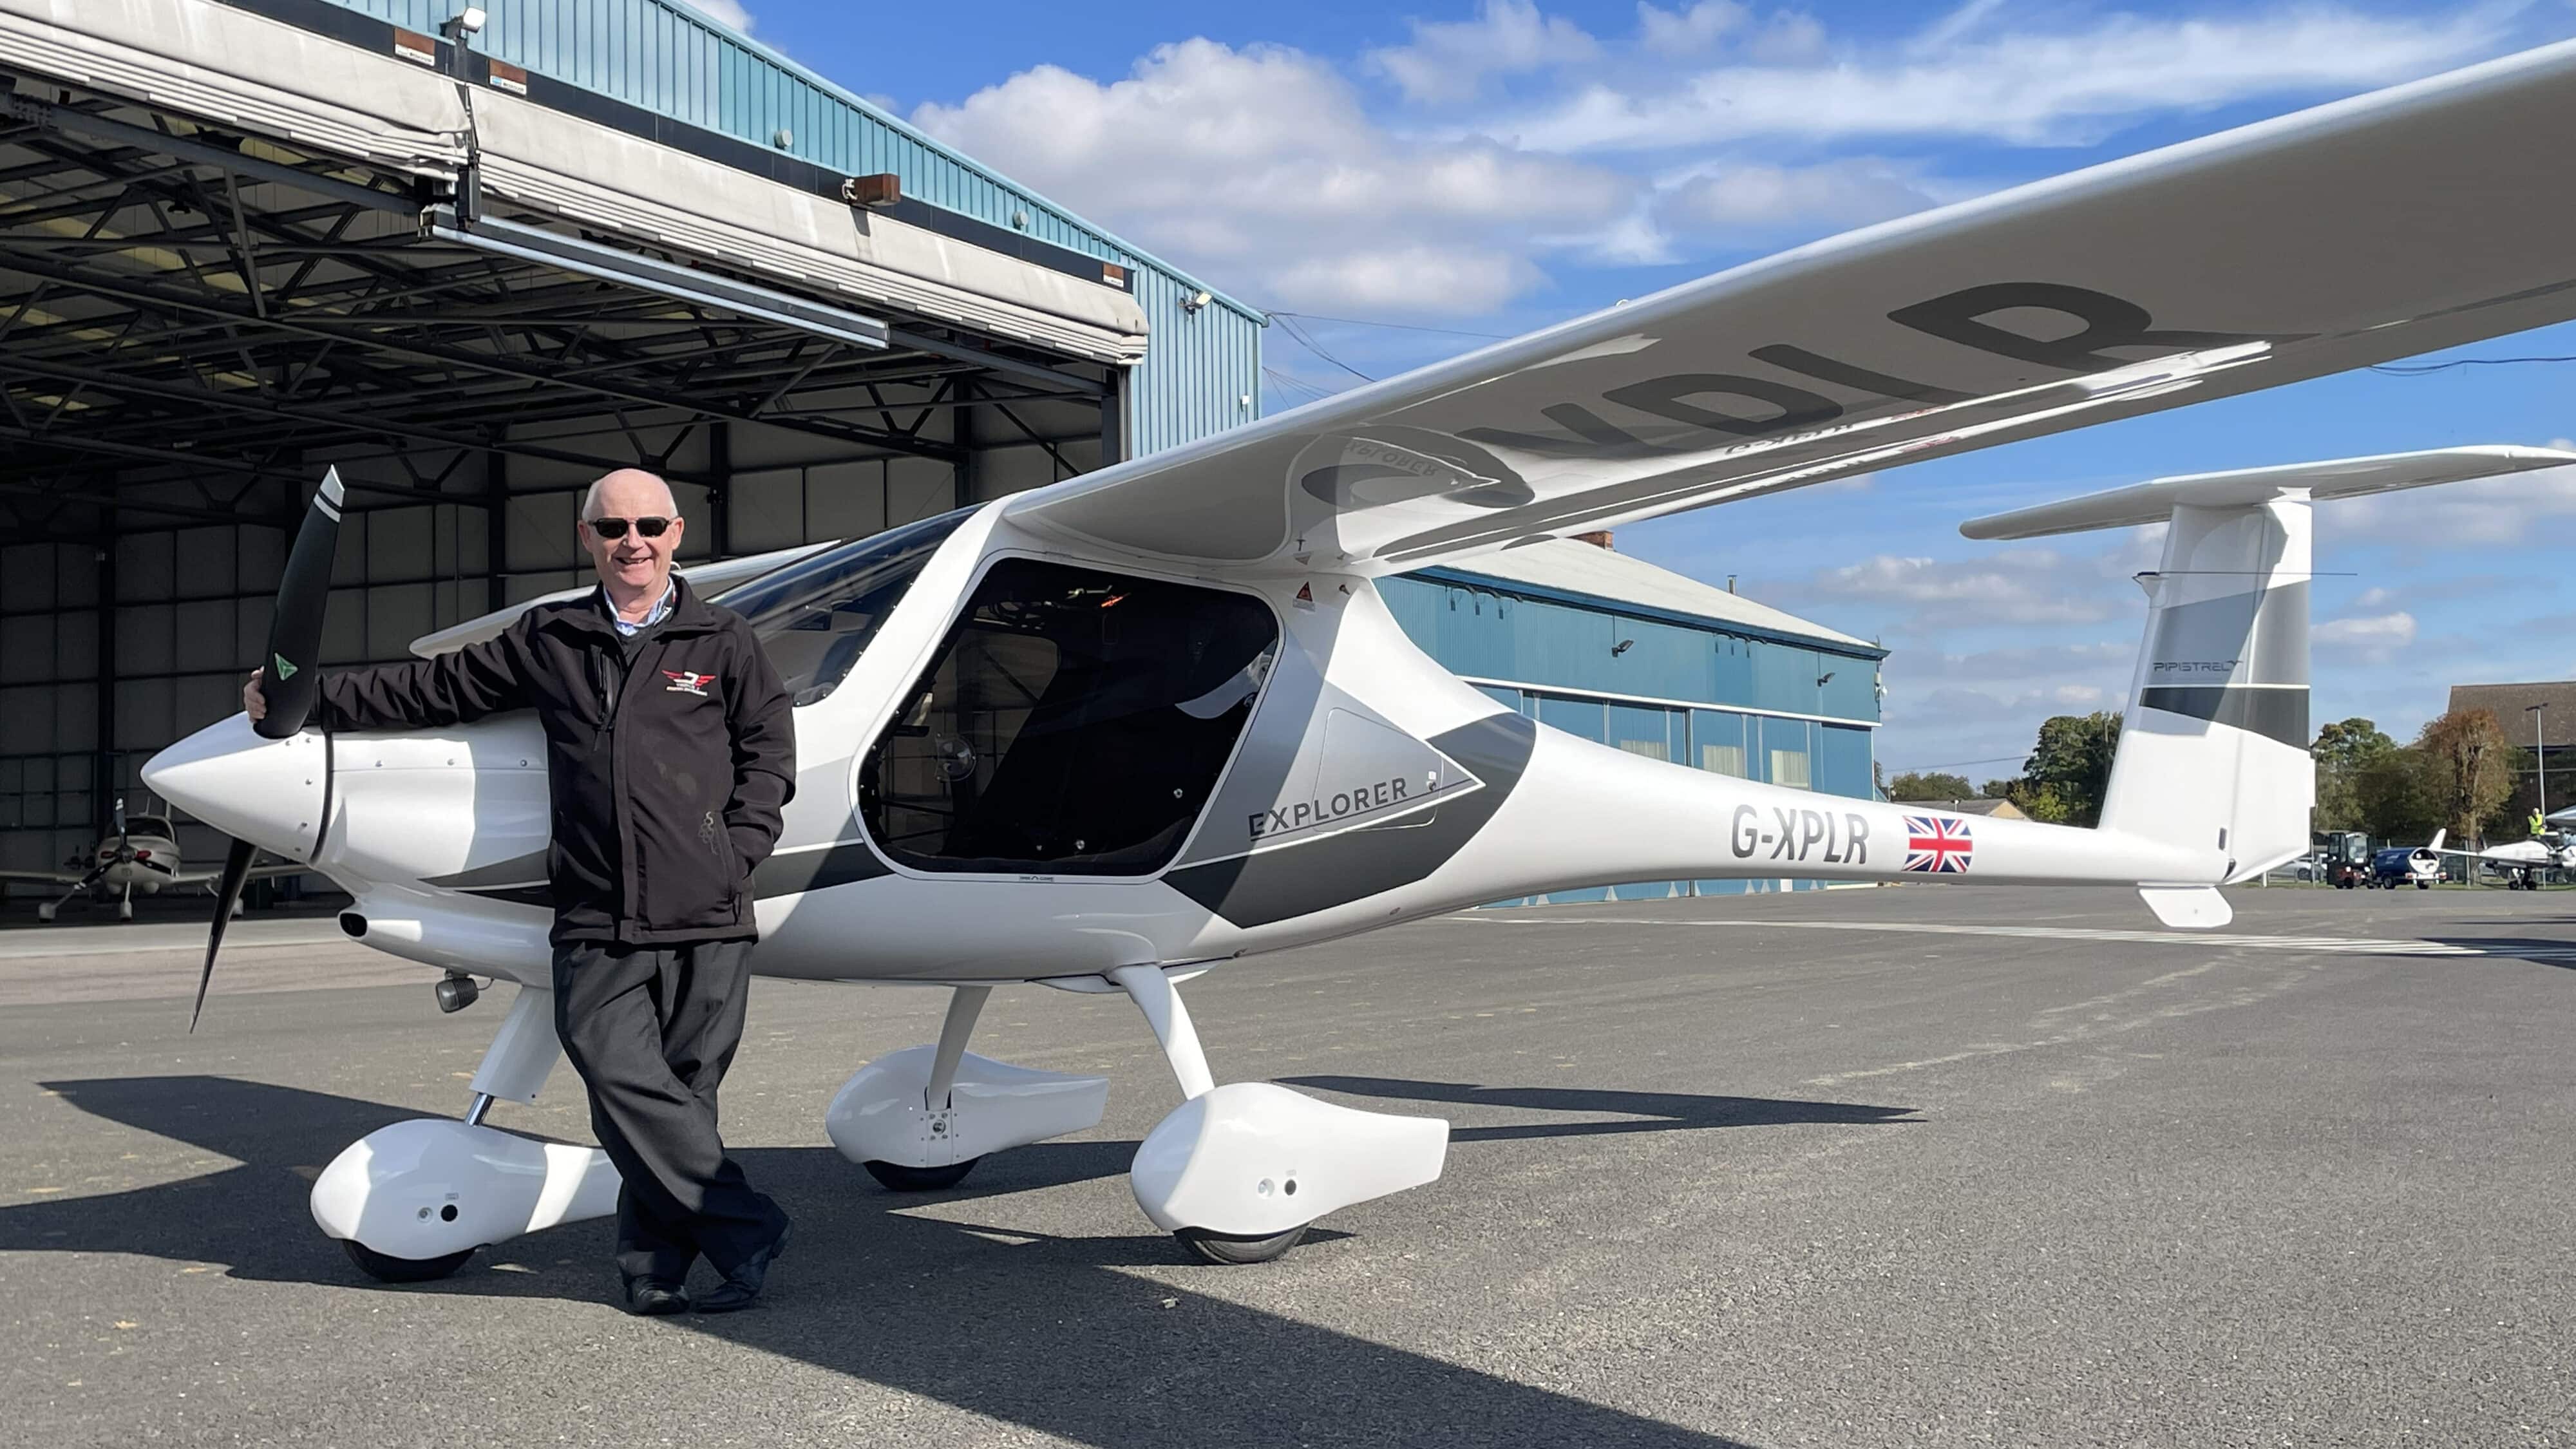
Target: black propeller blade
x=294, y=647
x=295, y=630
x=228, y=890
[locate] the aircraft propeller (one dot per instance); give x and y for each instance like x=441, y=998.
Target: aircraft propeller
x=294, y=645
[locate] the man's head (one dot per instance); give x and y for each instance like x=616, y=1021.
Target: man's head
x=630, y=503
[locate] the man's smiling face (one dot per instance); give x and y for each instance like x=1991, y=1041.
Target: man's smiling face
x=632, y=566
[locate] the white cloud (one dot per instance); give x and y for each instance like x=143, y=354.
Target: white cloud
x=2018, y=586
x=1450, y=60
x=2069, y=86
x=724, y=12
x=1261, y=169
x=1735, y=198
x=2505, y=512
x=2373, y=639
x=1691, y=31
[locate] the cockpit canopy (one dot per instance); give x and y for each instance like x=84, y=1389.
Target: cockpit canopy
x=816, y=616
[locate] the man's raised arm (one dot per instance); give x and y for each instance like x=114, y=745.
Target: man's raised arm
x=452, y=688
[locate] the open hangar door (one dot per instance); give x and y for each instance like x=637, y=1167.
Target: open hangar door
x=198, y=315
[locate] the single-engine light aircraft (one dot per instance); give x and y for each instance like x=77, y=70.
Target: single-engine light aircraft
x=1115, y=732
x=138, y=856
x=2521, y=863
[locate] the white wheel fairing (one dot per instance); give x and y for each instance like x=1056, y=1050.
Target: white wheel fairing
x=1249, y=1159
x=430, y=1187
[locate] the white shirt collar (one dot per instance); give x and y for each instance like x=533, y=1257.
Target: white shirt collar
x=661, y=607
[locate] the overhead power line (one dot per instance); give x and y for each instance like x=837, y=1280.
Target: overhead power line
x=2419, y=369
x=1305, y=339
x=1394, y=326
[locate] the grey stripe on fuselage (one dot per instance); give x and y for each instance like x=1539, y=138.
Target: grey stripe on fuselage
x=1298, y=880
x=522, y=880
x=2278, y=712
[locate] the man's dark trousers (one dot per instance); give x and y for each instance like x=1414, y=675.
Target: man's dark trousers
x=651, y=1029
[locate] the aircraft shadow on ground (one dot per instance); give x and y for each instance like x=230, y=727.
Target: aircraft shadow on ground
x=1651, y=1111
x=1045, y=1332
x=2538, y=950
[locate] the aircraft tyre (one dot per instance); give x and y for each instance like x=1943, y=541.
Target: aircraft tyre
x=1225, y=1248
x=900, y=1178
x=2423, y=885
x=45, y=912
x=386, y=1268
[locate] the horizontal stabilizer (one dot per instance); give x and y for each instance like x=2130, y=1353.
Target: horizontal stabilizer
x=2154, y=502
x=2188, y=908
x=708, y=579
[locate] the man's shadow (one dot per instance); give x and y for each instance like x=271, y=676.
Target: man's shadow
x=1043, y=1331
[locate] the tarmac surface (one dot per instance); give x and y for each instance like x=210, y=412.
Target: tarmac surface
x=1899, y=1166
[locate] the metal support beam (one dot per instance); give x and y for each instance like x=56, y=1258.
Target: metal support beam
x=994, y=362
x=68, y=121
x=195, y=304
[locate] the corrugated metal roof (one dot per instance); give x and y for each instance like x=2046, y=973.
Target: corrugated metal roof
x=1615, y=578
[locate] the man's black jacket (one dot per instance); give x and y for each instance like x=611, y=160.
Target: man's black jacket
x=667, y=778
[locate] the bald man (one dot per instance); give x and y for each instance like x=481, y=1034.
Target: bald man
x=670, y=753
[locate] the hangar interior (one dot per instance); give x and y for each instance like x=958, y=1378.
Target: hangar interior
x=243, y=242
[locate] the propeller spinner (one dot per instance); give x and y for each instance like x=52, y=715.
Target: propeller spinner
x=291, y=676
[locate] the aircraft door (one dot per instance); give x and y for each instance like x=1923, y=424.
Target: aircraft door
x=1075, y=721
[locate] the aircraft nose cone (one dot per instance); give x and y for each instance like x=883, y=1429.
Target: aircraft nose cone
x=268, y=792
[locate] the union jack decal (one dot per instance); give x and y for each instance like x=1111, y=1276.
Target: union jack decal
x=1937, y=845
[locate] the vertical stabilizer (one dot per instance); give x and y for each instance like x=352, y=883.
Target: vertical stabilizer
x=2214, y=744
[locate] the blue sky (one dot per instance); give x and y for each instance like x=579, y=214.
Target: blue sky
x=1489, y=166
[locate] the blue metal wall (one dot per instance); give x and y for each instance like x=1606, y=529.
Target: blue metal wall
x=1700, y=692
x=1200, y=368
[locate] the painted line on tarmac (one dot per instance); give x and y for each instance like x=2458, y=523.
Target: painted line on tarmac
x=2354, y=945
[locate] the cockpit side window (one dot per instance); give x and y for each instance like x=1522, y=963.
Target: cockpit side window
x=817, y=615
x=1074, y=722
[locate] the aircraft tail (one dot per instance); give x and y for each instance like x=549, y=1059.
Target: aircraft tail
x=2213, y=751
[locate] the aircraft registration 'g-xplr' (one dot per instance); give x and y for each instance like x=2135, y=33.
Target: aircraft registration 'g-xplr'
x=1110, y=733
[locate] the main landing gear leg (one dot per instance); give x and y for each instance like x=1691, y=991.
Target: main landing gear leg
x=1239, y=1172
x=920, y=1119
x=411, y=1202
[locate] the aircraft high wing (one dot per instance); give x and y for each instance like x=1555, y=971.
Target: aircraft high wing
x=2306, y=245
x=1115, y=732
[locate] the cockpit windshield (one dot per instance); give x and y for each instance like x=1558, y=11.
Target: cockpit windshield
x=816, y=616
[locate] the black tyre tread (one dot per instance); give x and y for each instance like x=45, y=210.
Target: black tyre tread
x=386, y=1268
x=1229, y=1250
x=899, y=1178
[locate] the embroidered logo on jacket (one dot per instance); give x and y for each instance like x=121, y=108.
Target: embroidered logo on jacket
x=684, y=682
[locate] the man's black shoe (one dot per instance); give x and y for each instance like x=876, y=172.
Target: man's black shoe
x=652, y=1298
x=742, y=1286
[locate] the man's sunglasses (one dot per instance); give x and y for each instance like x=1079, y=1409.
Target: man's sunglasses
x=616, y=527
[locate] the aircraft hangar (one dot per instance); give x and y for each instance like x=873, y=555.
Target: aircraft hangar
x=245, y=240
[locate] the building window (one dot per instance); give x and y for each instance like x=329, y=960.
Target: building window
x=1651, y=749
x=1789, y=768
x=1722, y=759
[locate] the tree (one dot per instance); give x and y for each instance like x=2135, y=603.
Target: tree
x=2472, y=763
x=2396, y=796
x=1929, y=785
x=2344, y=752
x=2070, y=764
